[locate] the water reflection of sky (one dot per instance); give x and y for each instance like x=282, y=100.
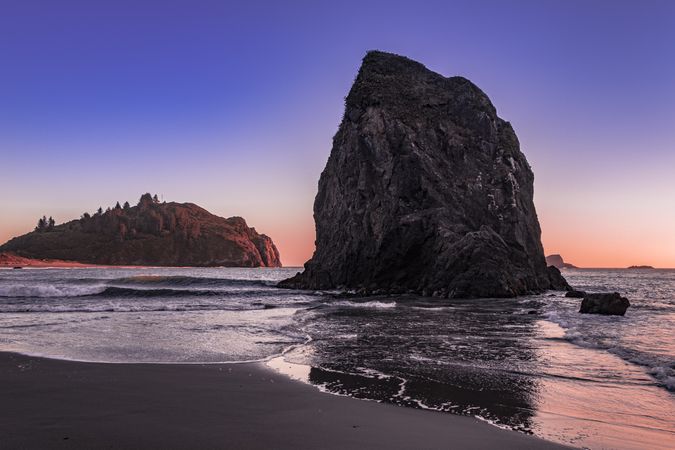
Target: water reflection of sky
x=500, y=360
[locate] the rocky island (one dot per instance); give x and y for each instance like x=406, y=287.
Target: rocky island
x=557, y=261
x=425, y=190
x=150, y=233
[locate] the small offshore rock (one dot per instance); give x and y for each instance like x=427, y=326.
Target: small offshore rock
x=607, y=304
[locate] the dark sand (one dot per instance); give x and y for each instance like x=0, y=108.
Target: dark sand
x=61, y=404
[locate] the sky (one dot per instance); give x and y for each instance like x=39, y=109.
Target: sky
x=233, y=106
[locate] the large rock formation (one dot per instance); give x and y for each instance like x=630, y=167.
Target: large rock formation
x=151, y=233
x=425, y=189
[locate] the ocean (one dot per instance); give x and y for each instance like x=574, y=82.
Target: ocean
x=531, y=364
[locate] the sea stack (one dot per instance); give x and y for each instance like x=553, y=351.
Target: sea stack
x=425, y=190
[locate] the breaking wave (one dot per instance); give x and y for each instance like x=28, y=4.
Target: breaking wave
x=138, y=286
x=369, y=304
x=596, y=333
x=187, y=281
x=49, y=290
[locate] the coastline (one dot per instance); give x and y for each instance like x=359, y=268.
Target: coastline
x=9, y=260
x=65, y=404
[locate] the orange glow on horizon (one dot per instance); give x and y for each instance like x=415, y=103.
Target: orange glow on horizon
x=591, y=243
x=295, y=242
x=602, y=244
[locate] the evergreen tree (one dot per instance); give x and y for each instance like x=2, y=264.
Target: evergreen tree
x=145, y=199
x=126, y=205
x=155, y=199
x=99, y=211
x=51, y=223
x=117, y=205
x=41, y=224
x=85, y=216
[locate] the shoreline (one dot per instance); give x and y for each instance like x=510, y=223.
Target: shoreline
x=9, y=260
x=58, y=403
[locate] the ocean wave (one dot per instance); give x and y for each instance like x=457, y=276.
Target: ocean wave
x=113, y=291
x=666, y=375
x=187, y=281
x=433, y=308
x=49, y=290
x=662, y=370
x=103, y=291
x=124, y=308
x=369, y=304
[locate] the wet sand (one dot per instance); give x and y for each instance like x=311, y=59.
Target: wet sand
x=62, y=404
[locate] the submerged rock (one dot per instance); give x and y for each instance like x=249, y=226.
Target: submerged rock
x=425, y=190
x=607, y=304
x=575, y=294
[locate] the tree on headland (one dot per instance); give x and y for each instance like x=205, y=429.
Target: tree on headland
x=126, y=205
x=45, y=224
x=42, y=224
x=85, y=216
x=117, y=205
x=155, y=199
x=145, y=199
x=99, y=211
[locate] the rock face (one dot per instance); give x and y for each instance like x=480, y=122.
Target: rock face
x=151, y=233
x=557, y=261
x=557, y=281
x=426, y=190
x=608, y=304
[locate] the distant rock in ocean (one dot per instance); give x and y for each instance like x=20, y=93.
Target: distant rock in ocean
x=151, y=233
x=640, y=267
x=425, y=190
x=557, y=261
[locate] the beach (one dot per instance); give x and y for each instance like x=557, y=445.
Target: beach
x=222, y=357
x=64, y=404
x=10, y=260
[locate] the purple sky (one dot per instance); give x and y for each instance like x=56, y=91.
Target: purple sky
x=233, y=107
